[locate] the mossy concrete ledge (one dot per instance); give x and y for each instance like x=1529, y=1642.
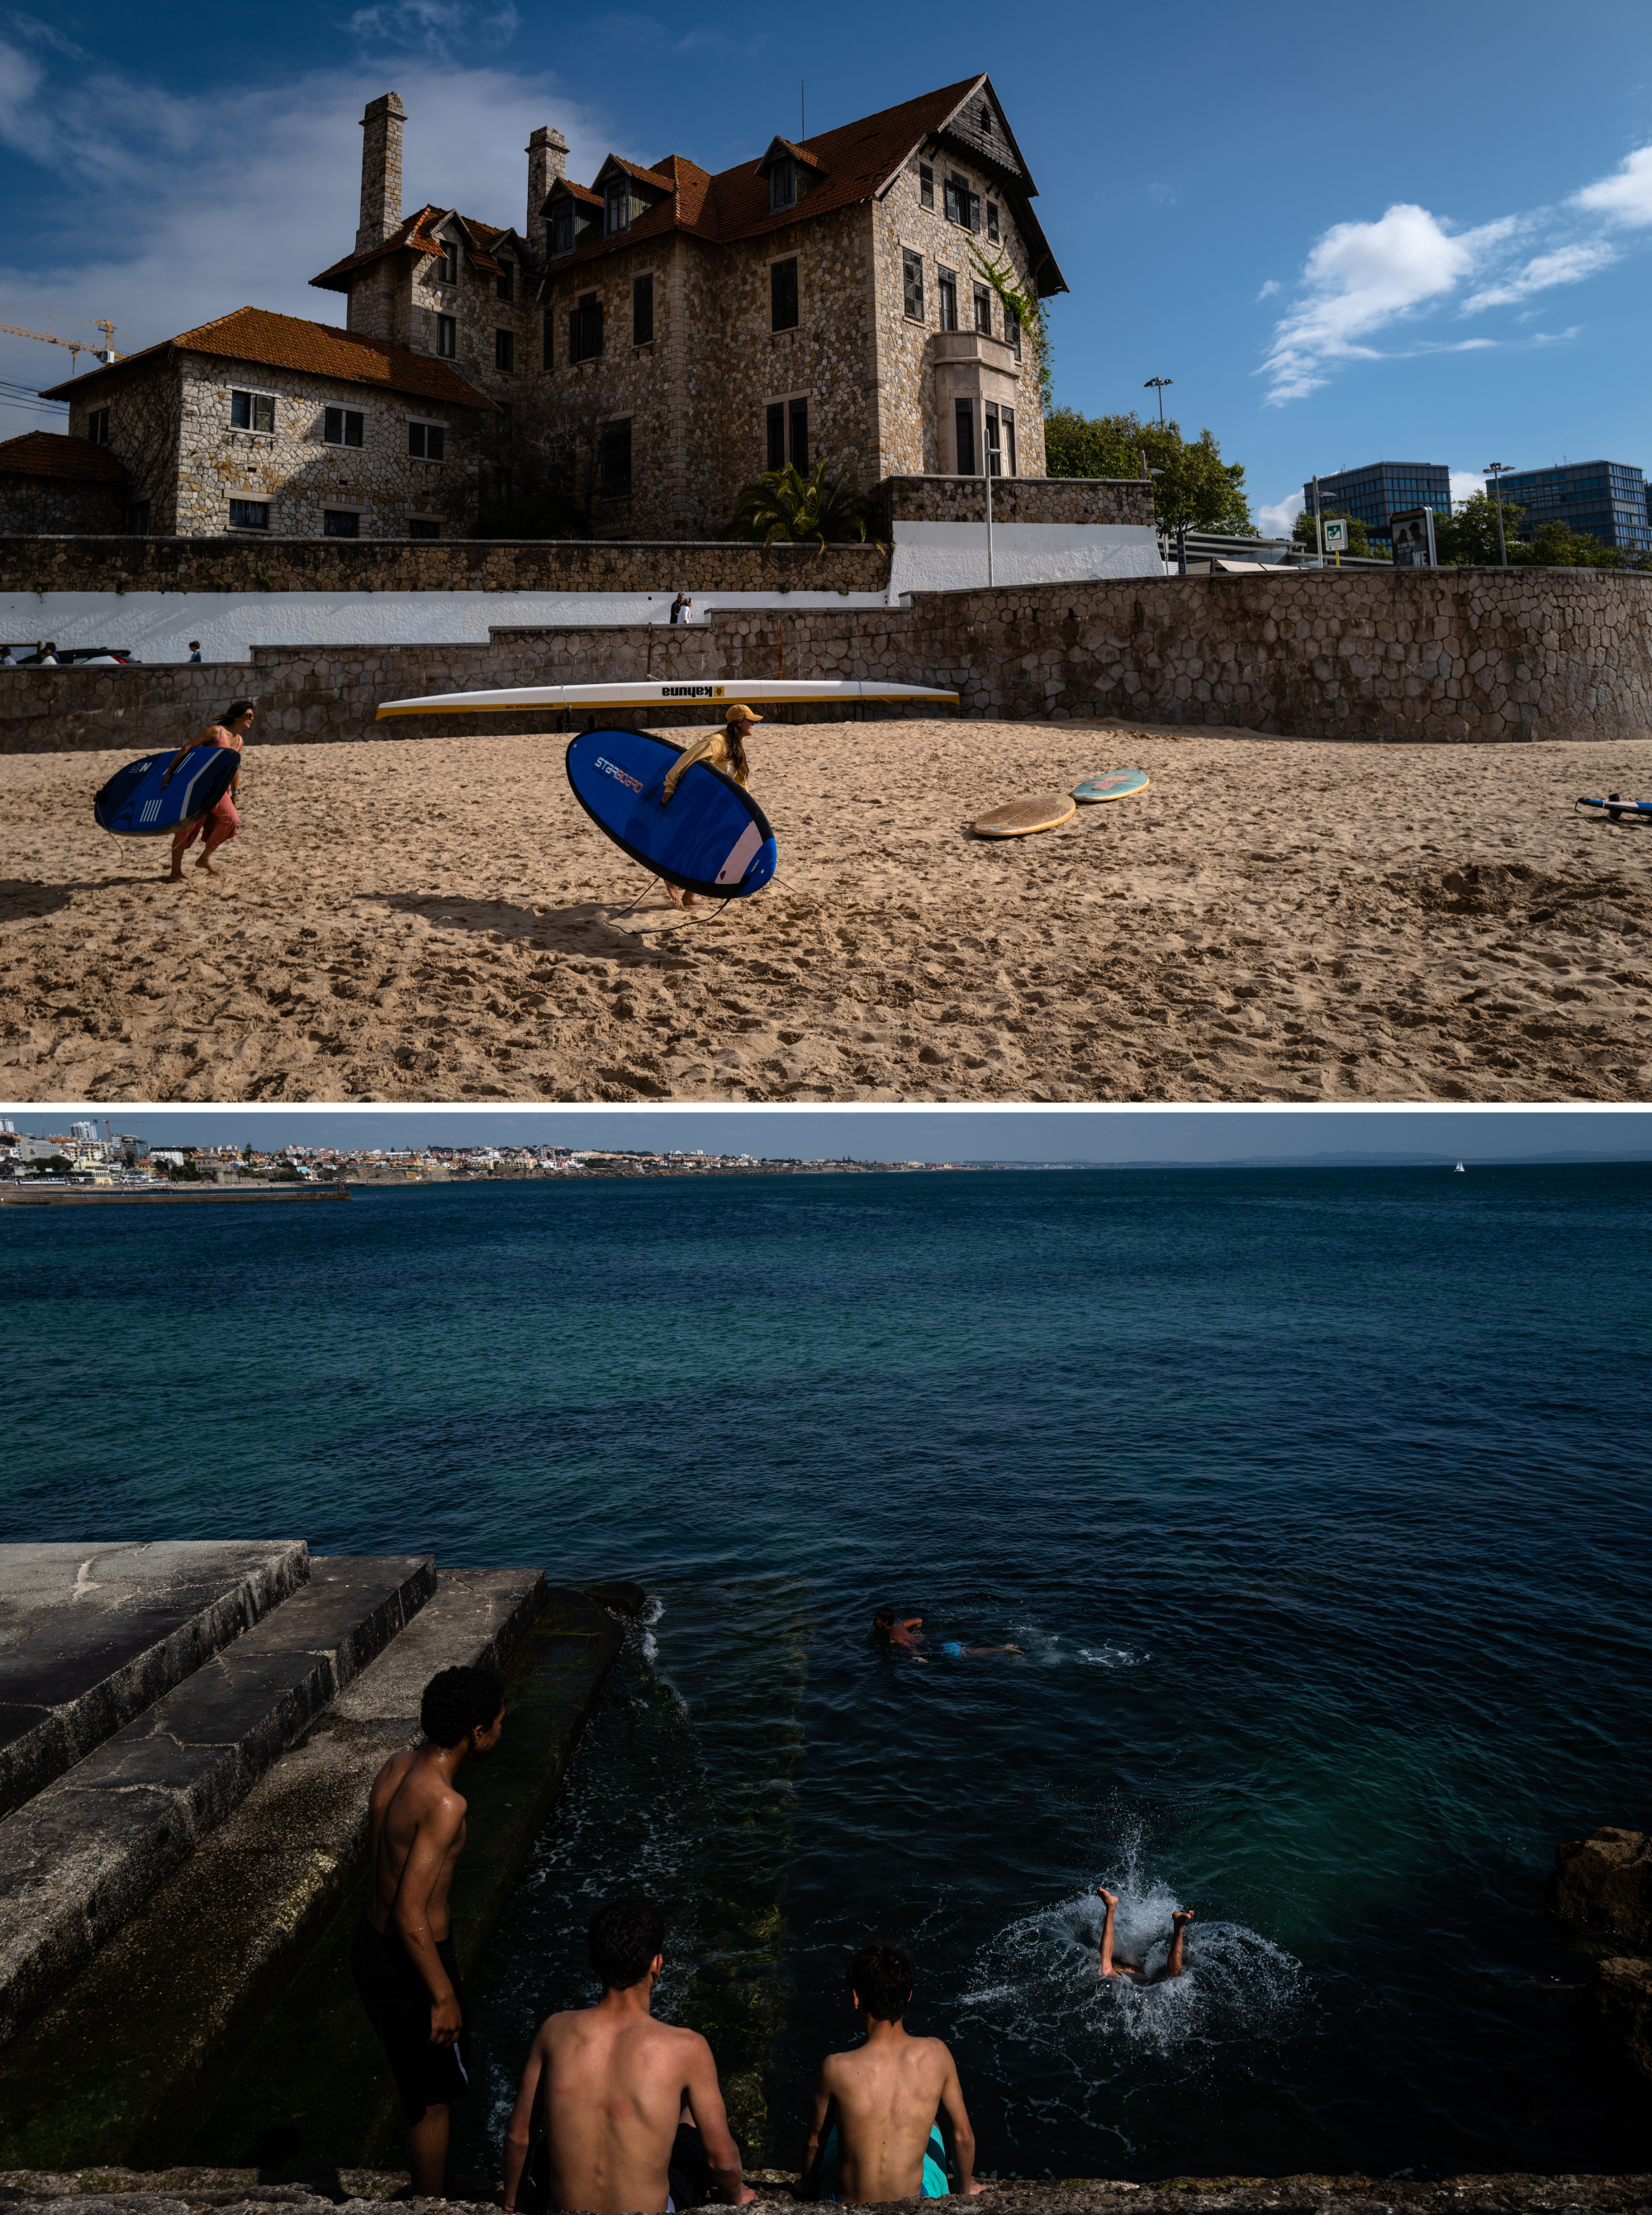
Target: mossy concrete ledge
x=222, y=2016
x=187, y=2191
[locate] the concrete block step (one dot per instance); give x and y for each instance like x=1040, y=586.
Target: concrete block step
x=91, y=1633
x=80, y=1855
x=239, y=1956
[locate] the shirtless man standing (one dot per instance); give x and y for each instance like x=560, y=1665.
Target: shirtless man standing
x=875, y=2107
x=632, y=2106
x=402, y=1955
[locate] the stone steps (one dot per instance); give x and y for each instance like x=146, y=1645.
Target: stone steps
x=225, y=2004
x=81, y=1855
x=91, y=1633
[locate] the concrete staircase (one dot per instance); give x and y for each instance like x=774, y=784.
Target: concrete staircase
x=160, y=1897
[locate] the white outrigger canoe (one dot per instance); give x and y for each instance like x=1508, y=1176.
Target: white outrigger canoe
x=654, y=692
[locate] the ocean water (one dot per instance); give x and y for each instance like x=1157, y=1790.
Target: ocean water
x=1317, y=1503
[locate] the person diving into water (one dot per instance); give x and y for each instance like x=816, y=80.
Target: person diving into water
x=1136, y=1972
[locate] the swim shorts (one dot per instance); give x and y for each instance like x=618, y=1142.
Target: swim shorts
x=398, y=2005
x=936, y=2184
x=952, y=1647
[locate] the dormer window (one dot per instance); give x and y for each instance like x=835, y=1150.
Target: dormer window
x=562, y=228
x=783, y=184
x=616, y=206
x=447, y=269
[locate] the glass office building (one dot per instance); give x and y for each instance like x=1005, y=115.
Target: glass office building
x=1606, y=500
x=1374, y=495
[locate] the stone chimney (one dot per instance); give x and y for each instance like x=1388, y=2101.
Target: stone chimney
x=381, y=172
x=548, y=160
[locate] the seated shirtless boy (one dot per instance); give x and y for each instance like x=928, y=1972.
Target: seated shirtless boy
x=872, y=2133
x=633, y=2116
x=1136, y=1971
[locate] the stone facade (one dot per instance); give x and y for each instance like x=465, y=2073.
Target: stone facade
x=1415, y=656
x=169, y=416
x=50, y=483
x=689, y=400
x=1016, y=500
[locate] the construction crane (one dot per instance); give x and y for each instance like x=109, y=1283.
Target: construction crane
x=105, y=353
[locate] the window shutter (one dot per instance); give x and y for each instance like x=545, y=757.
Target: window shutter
x=777, y=434
x=913, y=271
x=800, y=436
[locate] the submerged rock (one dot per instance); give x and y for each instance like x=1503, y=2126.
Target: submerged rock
x=1603, y=1885
x=1618, y=2011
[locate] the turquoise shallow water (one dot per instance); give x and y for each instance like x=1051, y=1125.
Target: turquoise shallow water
x=1317, y=1502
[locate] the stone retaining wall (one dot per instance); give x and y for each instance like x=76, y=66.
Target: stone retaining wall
x=1414, y=655
x=444, y=565
x=1016, y=500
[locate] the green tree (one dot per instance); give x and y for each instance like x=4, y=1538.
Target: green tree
x=1467, y=537
x=1194, y=486
x=1359, y=538
x=783, y=504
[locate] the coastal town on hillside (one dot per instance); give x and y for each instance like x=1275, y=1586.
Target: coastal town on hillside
x=81, y=1155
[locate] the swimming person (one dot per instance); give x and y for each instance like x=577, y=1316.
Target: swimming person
x=725, y=750
x=906, y=1631
x=632, y=2112
x=220, y=821
x=401, y=1955
x=872, y=2131
x=1136, y=1971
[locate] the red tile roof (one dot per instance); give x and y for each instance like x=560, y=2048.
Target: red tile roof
x=857, y=161
x=417, y=234
x=50, y=454
x=272, y=341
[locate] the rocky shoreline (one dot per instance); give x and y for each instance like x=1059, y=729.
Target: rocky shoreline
x=364, y=2192
x=1603, y=1894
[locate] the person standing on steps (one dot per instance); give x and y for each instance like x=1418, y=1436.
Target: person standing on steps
x=221, y=823
x=401, y=1955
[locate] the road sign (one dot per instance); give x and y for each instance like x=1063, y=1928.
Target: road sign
x=1336, y=530
x=1413, y=533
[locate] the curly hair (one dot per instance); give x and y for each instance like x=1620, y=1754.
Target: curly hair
x=882, y=1974
x=624, y=1938
x=458, y=1702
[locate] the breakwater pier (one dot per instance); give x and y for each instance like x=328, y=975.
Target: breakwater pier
x=187, y=1735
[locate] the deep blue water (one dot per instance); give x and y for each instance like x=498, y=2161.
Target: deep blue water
x=1318, y=1501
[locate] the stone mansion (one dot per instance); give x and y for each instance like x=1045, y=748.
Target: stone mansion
x=665, y=333
x=825, y=299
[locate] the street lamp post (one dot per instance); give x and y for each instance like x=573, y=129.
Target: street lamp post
x=1159, y=383
x=1496, y=471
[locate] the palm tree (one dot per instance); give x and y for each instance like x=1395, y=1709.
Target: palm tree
x=784, y=505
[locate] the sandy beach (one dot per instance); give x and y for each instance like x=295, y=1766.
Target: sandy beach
x=1276, y=919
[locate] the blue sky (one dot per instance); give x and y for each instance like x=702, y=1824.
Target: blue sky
x=1102, y=1134
x=1421, y=231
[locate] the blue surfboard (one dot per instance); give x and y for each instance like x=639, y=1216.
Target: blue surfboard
x=133, y=806
x=711, y=836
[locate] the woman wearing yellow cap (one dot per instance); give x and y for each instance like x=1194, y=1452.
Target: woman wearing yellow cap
x=725, y=750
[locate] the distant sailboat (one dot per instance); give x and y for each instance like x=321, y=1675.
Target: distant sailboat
x=1459, y=1169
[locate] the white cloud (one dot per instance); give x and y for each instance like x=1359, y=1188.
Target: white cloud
x=239, y=193
x=1556, y=338
x=1465, y=484
x=1361, y=278
x=1275, y=522
x=1162, y=196
x=1563, y=265
x=23, y=127
x=1269, y=290
x=1625, y=197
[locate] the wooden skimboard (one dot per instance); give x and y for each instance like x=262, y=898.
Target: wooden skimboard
x=1020, y=819
x=1112, y=784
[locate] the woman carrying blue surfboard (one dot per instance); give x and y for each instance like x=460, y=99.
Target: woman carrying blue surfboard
x=725, y=750
x=220, y=823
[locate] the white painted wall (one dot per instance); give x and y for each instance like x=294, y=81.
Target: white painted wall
x=928, y=557
x=951, y=557
x=158, y=626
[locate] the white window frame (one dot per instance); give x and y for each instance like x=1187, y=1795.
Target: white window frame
x=253, y=394
x=429, y=423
